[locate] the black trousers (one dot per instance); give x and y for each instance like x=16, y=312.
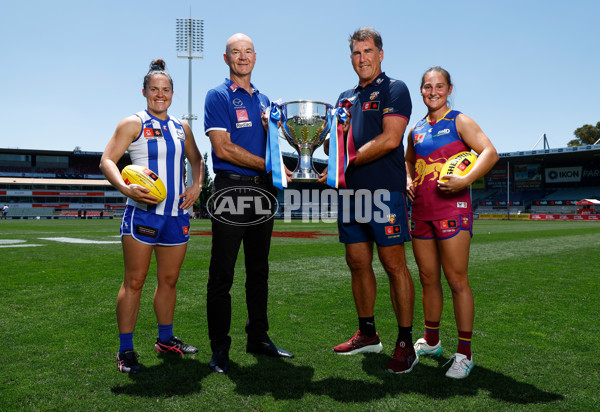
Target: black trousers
x=227, y=237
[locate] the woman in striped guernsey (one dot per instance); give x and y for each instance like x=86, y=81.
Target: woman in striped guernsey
x=159, y=142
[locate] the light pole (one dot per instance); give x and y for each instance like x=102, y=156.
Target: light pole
x=190, y=45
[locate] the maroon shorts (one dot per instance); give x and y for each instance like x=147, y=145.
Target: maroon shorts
x=443, y=228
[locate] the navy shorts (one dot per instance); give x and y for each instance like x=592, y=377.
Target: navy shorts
x=153, y=229
x=443, y=228
x=381, y=217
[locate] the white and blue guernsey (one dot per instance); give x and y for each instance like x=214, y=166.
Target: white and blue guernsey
x=160, y=147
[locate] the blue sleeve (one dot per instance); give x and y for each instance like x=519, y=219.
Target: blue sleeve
x=399, y=102
x=216, y=111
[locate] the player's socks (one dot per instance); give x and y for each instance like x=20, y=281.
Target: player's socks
x=464, y=343
x=367, y=326
x=432, y=332
x=165, y=332
x=405, y=335
x=126, y=342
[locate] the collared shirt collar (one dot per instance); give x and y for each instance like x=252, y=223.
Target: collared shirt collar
x=233, y=86
x=376, y=82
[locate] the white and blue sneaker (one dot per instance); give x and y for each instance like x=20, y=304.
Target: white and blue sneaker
x=461, y=367
x=423, y=349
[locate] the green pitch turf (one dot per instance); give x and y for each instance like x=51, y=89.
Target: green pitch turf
x=536, y=288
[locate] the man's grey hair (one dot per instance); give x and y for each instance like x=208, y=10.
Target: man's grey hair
x=365, y=33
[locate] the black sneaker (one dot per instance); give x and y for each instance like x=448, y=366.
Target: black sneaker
x=127, y=362
x=174, y=345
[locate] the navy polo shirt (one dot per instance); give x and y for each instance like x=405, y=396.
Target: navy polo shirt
x=381, y=98
x=231, y=109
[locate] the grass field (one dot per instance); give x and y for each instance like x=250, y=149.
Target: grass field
x=537, y=294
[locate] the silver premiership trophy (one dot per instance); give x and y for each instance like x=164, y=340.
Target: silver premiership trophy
x=305, y=125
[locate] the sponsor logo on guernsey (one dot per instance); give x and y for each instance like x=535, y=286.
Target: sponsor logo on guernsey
x=373, y=95
x=242, y=115
x=233, y=87
x=370, y=106
x=418, y=138
x=180, y=134
x=165, y=127
x=379, y=81
x=186, y=230
x=238, y=102
x=461, y=205
x=388, y=110
x=243, y=124
x=152, y=133
x=442, y=132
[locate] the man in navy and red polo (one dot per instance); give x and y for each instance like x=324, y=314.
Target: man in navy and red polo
x=379, y=114
x=235, y=123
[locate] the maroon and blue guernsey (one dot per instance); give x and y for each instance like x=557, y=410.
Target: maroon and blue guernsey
x=434, y=144
x=370, y=104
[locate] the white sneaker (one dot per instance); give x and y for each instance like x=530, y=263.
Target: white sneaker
x=423, y=349
x=461, y=367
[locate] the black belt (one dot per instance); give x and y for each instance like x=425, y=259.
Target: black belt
x=259, y=180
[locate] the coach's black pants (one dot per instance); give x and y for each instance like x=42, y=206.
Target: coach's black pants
x=226, y=242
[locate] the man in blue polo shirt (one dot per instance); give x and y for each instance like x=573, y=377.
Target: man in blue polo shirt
x=235, y=122
x=379, y=114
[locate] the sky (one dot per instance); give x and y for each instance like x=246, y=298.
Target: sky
x=73, y=69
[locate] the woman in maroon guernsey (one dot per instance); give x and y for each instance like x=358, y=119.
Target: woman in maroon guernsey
x=442, y=216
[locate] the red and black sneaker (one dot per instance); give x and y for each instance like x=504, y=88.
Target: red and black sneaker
x=127, y=362
x=359, y=343
x=174, y=345
x=403, y=359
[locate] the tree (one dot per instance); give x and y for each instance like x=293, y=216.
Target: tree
x=586, y=134
x=207, y=188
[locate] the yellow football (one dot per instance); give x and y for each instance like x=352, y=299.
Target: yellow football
x=145, y=177
x=459, y=164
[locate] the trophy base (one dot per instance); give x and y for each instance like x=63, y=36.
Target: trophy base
x=304, y=177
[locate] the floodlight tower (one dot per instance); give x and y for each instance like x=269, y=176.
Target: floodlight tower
x=190, y=45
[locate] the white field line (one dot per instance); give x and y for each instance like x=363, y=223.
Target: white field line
x=80, y=241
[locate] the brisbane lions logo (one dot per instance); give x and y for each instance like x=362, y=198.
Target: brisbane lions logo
x=423, y=169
